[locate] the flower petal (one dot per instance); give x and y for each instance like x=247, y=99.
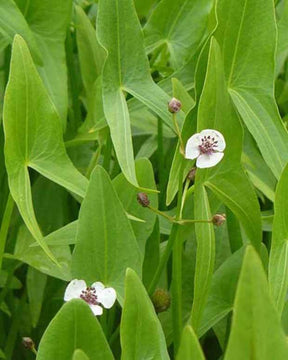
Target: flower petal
x=107, y=297
x=74, y=289
x=98, y=286
x=192, y=147
x=97, y=310
x=206, y=161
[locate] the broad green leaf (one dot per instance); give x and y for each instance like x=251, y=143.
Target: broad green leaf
x=35, y=256
x=13, y=22
x=249, y=70
x=258, y=171
x=74, y=327
x=227, y=180
x=79, y=355
x=119, y=32
x=106, y=244
x=205, y=257
x=256, y=332
x=128, y=195
x=278, y=261
x=179, y=25
x=190, y=348
x=36, y=283
x=37, y=137
x=49, y=21
x=141, y=333
x=222, y=292
x=63, y=236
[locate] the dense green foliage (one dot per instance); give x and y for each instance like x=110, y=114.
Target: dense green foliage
x=95, y=185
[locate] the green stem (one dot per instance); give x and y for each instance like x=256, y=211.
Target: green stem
x=160, y=163
x=5, y=226
x=161, y=213
x=72, y=78
x=93, y=162
x=178, y=132
x=107, y=153
x=176, y=285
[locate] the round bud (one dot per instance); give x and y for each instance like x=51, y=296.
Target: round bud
x=161, y=300
x=174, y=105
x=143, y=199
x=28, y=343
x=192, y=173
x=219, y=219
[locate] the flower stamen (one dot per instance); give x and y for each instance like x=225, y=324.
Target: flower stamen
x=208, y=145
x=89, y=295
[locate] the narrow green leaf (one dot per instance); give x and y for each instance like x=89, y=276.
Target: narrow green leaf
x=105, y=244
x=256, y=331
x=190, y=348
x=119, y=32
x=36, y=283
x=180, y=25
x=33, y=137
x=282, y=40
x=74, y=327
x=205, y=254
x=249, y=70
x=141, y=333
x=278, y=261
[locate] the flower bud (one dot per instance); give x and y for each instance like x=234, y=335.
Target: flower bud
x=219, y=219
x=161, y=300
x=174, y=105
x=192, y=173
x=28, y=343
x=143, y=199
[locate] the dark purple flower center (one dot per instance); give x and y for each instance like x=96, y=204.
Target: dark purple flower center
x=208, y=145
x=89, y=295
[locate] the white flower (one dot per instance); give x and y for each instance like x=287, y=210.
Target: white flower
x=207, y=146
x=94, y=295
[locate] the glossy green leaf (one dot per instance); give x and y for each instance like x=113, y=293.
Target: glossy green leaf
x=37, y=137
x=106, y=244
x=128, y=195
x=123, y=72
x=249, y=70
x=170, y=25
x=141, y=333
x=13, y=22
x=74, y=327
x=49, y=28
x=278, y=263
x=282, y=41
x=79, y=355
x=190, y=348
x=256, y=332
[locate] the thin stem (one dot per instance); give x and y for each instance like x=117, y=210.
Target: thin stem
x=174, y=220
x=160, y=163
x=5, y=225
x=107, y=153
x=176, y=285
x=187, y=182
x=93, y=162
x=178, y=132
x=72, y=78
x=161, y=213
